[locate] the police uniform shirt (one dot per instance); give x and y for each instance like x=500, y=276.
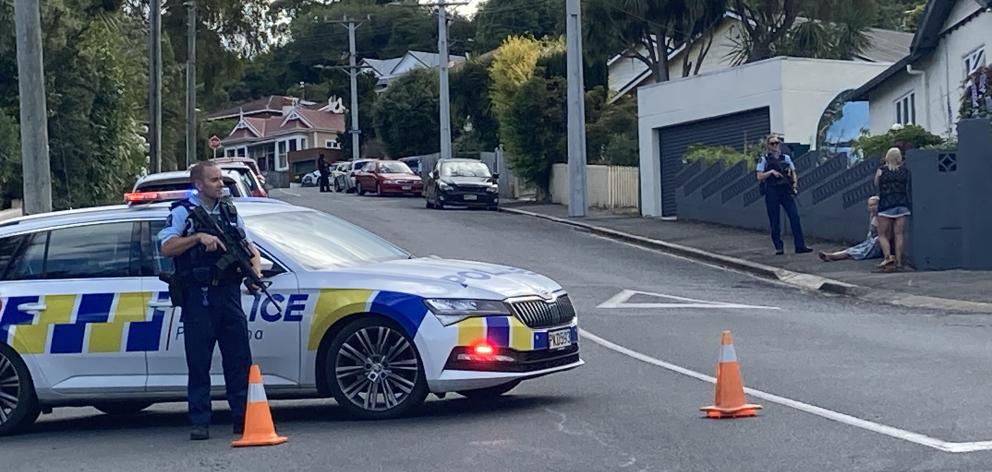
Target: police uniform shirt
x=763, y=162
x=176, y=223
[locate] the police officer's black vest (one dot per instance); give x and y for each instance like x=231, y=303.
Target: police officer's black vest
x=777, y=164
x=197, y=266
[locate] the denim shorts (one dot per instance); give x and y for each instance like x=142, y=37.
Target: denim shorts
x=895, y=212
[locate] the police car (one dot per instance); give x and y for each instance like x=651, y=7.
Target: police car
x=85, y=320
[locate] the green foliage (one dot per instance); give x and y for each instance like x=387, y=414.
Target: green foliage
x=406, y=117
x=534, y=131
x=726, y=155
x=497, y=20
x=622, y=150
x=634, y=25
x=908, y=137
x=827, y=29
x=471, y=107
x=611, y=130
x=530, y=108
x=977, y=99
x=10, y=159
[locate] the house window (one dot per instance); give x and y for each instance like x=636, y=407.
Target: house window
x=332, y=144
x=282, y=163
x=906, y=109
x=974, y=60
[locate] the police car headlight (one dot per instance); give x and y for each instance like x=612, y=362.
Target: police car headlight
x=451, y=311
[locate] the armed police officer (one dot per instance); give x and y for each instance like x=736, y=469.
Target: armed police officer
x=777, y=176
x=210, y=294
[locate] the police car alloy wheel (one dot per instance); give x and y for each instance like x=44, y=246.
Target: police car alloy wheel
x=18, y=404
x=374, y=370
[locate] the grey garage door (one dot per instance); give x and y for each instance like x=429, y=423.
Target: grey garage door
x=729, y=130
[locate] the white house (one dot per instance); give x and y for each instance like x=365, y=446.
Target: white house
x=626, y=73
x=925, y=86
x=387, y=70
x=735, y=107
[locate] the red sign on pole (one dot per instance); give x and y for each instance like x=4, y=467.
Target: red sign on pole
x=214, y=142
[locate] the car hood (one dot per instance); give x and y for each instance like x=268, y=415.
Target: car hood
x=467, y=181
x=400, y=176
x=431, y=277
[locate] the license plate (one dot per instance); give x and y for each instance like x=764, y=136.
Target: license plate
x=471, y=197
x=559, y=339
x=407, y=187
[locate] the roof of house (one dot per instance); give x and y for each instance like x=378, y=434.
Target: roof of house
x=926, y=39
x=270, y=104
x=298, y=119
x=887, y=45
x=387, y=67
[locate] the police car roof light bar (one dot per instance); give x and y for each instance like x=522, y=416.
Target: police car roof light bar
x=152, y=197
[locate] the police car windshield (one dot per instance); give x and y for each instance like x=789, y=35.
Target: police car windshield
x=318, y=241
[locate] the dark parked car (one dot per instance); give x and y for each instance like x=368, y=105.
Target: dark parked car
x=413, y=162
x=461, y=182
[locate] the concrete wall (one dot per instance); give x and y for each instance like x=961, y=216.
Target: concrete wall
x=796, y=91
x=937, y=101
x=950, y=227
x=606, y=186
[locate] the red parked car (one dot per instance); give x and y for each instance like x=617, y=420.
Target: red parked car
x=388, y=177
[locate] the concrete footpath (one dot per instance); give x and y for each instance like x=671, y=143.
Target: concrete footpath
x=752, y=252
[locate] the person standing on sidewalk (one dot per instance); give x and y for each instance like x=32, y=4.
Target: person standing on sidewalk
x=324, y=174
x=892, y=180
x=777, y=174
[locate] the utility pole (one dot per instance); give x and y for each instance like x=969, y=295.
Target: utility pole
x=443, y=59
x=576, y=112
x=34, y=116
x=353, y=73
x=353, y=70
x=155, y=87
x=191, y=122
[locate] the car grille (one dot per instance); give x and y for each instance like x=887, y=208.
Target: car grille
x=544, y=314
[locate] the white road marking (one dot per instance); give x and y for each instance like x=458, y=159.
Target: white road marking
x=621, y=300
x=916, y=438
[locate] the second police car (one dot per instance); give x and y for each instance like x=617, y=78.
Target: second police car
x=84, y=319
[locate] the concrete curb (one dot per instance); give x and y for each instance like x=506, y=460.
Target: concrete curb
x=795, y=279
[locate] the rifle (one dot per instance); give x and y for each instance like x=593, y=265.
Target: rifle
x=237, y=252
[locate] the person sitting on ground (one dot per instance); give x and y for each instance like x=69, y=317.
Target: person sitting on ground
x=867, y=249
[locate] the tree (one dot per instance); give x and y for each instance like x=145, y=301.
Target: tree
x=529, y=104
x=471, y=108
x=406, y=116
x=498, y=19
x=10, y=161
x=830, y=29
x=650, y=30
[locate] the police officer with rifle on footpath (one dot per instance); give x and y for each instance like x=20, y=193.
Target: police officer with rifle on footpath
x=213, y=256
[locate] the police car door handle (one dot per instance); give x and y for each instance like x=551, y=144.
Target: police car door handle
x=160, y=304
x=29, y=307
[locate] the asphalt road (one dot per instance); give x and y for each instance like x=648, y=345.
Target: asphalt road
x=847, y=386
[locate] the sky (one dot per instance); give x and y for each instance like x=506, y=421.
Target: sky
x=469, y=9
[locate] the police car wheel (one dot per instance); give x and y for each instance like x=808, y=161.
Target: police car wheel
x=488, y=393
x=122, y=408
x=18, y=402
x=374, y=370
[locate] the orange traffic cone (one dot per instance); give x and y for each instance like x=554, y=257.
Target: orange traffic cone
x=730, y=401
x=259, y=430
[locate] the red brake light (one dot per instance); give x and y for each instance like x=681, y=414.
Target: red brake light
x=139, y=197
x=483, y=349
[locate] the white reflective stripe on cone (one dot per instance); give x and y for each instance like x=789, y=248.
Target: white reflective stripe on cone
x=727, y=353
x=256, y=393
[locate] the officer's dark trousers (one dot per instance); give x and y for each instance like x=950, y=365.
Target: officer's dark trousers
x=325, y=185
x=781, y=197
x=221, y=322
